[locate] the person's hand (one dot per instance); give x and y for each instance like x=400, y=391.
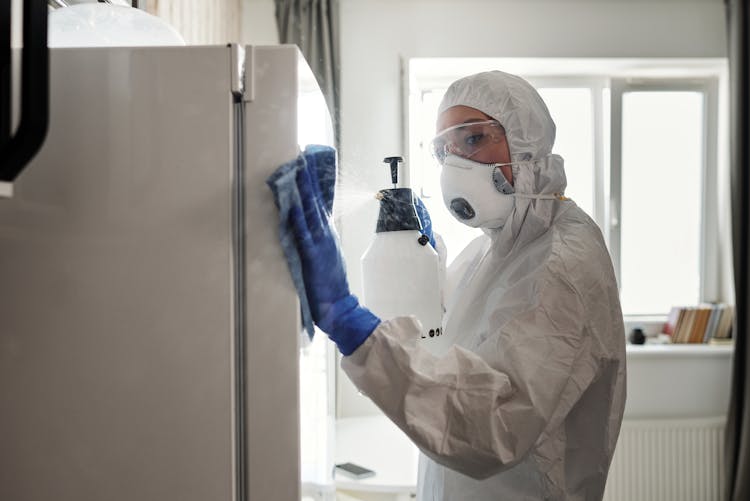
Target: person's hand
x=323, y=266
x=425, y=220
x=334, y=309
x=436, y=241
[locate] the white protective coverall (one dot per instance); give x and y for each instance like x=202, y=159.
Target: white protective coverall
x=523, y=395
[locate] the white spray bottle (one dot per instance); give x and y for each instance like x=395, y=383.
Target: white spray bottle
x=400, y=269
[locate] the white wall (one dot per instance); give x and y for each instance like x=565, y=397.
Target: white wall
x=377, y=35
x=200, y=22
x=259, y=23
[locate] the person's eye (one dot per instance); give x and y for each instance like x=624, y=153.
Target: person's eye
x=474, y=139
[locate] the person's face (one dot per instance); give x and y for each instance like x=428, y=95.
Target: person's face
x=496, y=152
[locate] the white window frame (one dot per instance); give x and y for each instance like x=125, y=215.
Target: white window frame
x=709, y=253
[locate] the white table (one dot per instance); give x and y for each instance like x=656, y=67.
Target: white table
x=376, y=443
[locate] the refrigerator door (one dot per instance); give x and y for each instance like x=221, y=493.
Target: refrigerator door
x=271, y=440
x=281, y=95
x=117, y=322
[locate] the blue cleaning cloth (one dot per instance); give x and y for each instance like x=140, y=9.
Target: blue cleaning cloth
x=320, y=162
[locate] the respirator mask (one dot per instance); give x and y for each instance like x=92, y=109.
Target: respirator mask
x=477, y=194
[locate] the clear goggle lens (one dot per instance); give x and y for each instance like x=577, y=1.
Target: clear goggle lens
x=466, y=139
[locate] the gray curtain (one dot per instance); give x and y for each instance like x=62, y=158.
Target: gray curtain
x=737, y=440
x=313, y=26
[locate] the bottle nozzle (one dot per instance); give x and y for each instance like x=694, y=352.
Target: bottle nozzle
x=393, y=161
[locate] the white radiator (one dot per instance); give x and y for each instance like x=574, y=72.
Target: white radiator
x=665, y=460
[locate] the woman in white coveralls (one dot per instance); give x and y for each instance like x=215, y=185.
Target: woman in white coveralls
x=522, y=397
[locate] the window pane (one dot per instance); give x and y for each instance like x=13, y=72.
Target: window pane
x=571, y=109
x=662, y=158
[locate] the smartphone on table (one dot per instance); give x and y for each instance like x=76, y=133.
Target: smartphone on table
x=355, y=471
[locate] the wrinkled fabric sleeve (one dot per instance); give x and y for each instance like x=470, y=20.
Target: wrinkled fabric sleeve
x=480, y=413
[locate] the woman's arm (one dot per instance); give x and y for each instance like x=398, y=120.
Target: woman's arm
x=480, y=413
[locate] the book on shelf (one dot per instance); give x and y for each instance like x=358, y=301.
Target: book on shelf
x=671, y=325
x=686, y=326
x=712, y=324
x=678, y=327
x=699, y=324
x=726, y=323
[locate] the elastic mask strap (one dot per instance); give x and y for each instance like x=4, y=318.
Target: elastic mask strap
x=542, y=196
x=537, y=196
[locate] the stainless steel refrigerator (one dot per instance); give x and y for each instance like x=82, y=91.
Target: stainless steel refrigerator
x=149, y=329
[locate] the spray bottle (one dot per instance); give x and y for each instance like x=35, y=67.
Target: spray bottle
x=400, y=270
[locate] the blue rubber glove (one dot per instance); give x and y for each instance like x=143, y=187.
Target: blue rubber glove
x=425, y=220
x=334, y=309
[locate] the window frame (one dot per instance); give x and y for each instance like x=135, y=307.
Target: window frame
x=709, y=235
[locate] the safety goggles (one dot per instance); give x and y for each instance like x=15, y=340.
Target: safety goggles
x=466, y=139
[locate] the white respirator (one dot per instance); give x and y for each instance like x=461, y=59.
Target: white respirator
x=478, y=194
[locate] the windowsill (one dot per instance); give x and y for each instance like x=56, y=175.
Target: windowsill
x=678, y=350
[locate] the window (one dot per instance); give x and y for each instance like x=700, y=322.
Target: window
x=661, y=198
x=638, y=153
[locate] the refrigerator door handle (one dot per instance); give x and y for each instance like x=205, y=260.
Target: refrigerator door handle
x=5, y=81
x=17, y=150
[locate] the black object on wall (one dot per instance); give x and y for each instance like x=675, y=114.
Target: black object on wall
x=18, y=149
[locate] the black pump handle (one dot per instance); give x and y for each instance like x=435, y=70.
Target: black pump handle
x=394, y=161
x=16, y=151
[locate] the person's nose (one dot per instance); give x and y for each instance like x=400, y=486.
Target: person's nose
x=451, y=149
